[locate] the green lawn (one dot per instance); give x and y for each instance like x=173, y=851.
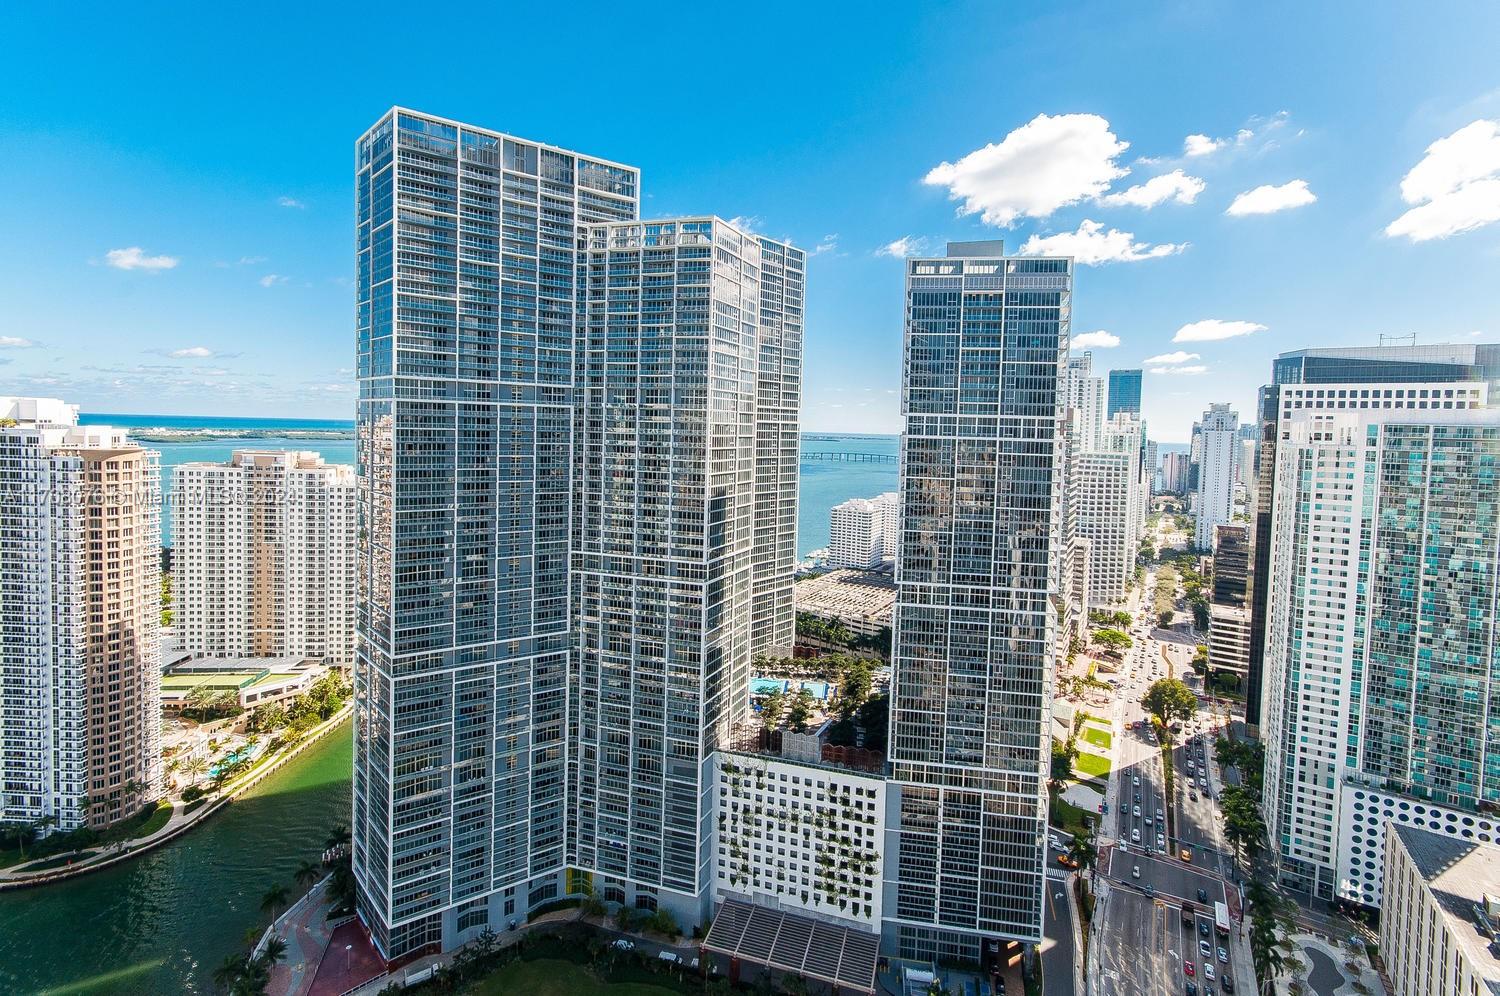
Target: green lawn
x=1098, y=737
x=59, y=861
x=548, y=977
x=1067, y=816
x=1092, y=764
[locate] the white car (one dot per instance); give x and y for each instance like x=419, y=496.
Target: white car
x=1208, y=971
x=1135, y=811
x=1135, y=780
x=1135, y=835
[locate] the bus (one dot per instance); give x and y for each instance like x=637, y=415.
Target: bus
x=1221, y=919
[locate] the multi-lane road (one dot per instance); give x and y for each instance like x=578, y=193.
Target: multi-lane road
x=1155, y=908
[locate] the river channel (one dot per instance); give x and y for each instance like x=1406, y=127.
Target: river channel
x=163, y=922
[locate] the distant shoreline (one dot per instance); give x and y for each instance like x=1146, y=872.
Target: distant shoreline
x=165, y=434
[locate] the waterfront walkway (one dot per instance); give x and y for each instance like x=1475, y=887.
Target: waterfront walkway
x=181, y=820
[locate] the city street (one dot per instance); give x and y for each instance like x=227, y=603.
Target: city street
x=1154, y=908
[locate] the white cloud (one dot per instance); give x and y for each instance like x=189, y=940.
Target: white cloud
x=1214, y=329
x=1092, y=246
x=192, y=352
x=747, y=223
x=1047, y=163
x=1192, y=371
x=1267, y=199
x=1170, y=359
x=1456, y=186
x=1174, y=186
x=1098, y=339
x=135, y=258
x=251, y=260
x=271, y=279
x=1202, y=145
x=15, y=342
x=290, y=202
x=829, y=244
x=906, y=245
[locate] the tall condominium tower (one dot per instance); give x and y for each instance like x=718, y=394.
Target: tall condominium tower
x=468, y=283
x=862, y=530
x=971, y=686
x=1109, y=506
x=1382, y=660
x=263, y=556
x=1217, y=436
x=1124, y=393
x=577, y=496
x=1084, y=393
x=1345, y=378
x=665, y=530
x=80, y=607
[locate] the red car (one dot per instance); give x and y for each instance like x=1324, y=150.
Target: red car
x=1187, y=969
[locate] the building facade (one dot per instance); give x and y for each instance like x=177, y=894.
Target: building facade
x=1217, y=438
x=1109, y=505
x=1357, y=378
x=80, y=606
x=861, y=531
x=1175, y=468
x=975, y=625
x=1124, y=393
x=1440, y=929
x=577, y=494
x=1380, y=654
x=1084, y=393
x=264, y=557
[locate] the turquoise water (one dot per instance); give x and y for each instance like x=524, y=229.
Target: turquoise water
x=823, y=484
x=163, y=922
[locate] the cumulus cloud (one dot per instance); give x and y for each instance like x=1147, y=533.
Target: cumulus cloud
x=829, y=244
x=1092, y=245
x=135, y=258
x=1098, y=339
x=192, y=352
x=906, y=245
x=1170, y=359
x=1214, y=329
x=272, y=279
x=1268, y=199
x=1456, y=186
x=747, y=223
x=15, y=342
x=1191, y=371
x=290, y=202
x=1046, y=164
x=1174, y=186
x=1202, y=145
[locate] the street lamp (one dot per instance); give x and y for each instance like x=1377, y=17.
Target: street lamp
x=348, y=956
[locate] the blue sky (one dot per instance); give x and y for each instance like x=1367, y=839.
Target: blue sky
x=176, y=236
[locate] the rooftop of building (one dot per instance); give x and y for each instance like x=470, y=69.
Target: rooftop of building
x=1461, y=875
x=847, y=592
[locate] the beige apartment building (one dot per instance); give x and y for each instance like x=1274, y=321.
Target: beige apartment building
x=80, y=606
x=263, y=557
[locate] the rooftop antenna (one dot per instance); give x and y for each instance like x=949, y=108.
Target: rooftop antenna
x=1410, y=339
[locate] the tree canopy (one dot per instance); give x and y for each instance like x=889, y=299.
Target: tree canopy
x=1168, y=699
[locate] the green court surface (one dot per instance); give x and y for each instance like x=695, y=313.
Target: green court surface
x=1098, y=737
x=1092, y=764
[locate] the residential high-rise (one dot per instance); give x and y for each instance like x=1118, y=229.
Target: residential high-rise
x=1084, y=393
x=1217, y=436
x=1175, y=468
x=1381, y=657
x=972, y=666
x=1109, y=508
x=467, y=317
x=1124, y=393
x=1440, y=921
x=263, y=557
x=1343, y=378
x=665, y=534
x=80, y=607
x=1231, y=564
x=861, y=530
x=577, y=503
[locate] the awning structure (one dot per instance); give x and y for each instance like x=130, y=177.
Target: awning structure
x=789, y=942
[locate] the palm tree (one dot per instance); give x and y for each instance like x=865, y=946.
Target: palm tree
x=274, y=899
x=307, y=874
x=196, y=766
x=337, y=837
x=275, y=950
x=229, y=971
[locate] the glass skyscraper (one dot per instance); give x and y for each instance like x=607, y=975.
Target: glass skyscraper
x=1124, y=393
x=974, y=625
x=560, y=450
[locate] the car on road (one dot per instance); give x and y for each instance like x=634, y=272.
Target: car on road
x=1223, y=956
x=1202, y=895
x=623, y=944
x=1203, y=928
x=1135, y=780
x=1054, y=840
x=1187, y=968
x=1135, y=811
x=1135, y=871
x=1161, y=815
x=1193, y=795
x=1227, y=983
x=1208, y=971
x=1135, y=835
x=1191, y=990
x=1205, y=949
x=1186, y=854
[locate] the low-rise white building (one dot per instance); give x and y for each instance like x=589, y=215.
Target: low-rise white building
x=1441, y=915
x=799, y=835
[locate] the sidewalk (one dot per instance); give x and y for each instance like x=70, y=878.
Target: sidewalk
x=306, y=930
